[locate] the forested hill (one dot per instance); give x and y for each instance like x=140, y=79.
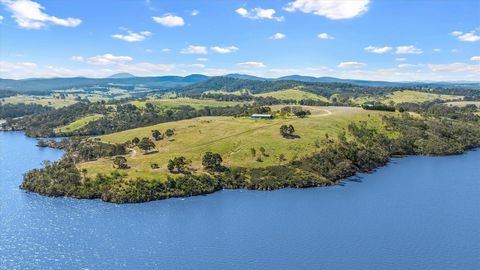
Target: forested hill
x=197, y=84
x=38, y=86
x=326, y=89
x=475, y=85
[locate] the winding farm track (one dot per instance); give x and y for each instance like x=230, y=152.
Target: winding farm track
x=316, y=112
x=327, y=112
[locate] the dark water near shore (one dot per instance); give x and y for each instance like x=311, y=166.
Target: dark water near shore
x=416, y=213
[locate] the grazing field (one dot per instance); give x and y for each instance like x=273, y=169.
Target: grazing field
x=78, y=124
x=233, y=138
x=176, y=102
x=237, y=93
x=418, y=97
x=63, y=98
x=406, y=96
x=464, y=103
x=294, y=94
x=51, y=101
x=363, y=99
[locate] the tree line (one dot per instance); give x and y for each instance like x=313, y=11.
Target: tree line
x=360, y=148
x=18, y=110
x=117, y=117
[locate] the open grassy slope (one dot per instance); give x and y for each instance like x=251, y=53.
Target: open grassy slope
x=233, y=138
x=70, y=96
x=407, y=96
x=464, y=103
x=78, y=124
x=176, y=102
x=413, y=96
x=237, y=93
x=294, y=94
x=50, y=101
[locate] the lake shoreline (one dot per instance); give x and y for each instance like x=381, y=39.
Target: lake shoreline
x=215, y=189
x=359, y=147
x=394, y=214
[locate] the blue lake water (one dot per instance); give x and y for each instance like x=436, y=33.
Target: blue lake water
x=415, y=213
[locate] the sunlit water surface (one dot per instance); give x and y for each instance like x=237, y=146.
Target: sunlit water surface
x=415, y=213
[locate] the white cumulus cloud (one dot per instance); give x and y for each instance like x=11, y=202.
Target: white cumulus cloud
x=379, y=50
x=77, y=58
x=278, y=36
x=455, y=67
x=259, y=14
x=400, y=59
x=251, y=64
x=132, y=36
x=325, y=36
x=23, y=70
x=108, y=59
x=194, y=12
x=169, y=20
x=408, y=49
x=224, y=50
x=202, y=59
x=331, y=9
x=145, y=68
x=475, y=58
x=471, y=36
x=352, y=64
x=192, y=49
x=30, y=15
x=406, y=65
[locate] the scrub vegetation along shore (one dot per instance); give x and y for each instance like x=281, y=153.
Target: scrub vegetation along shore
x=230, y=133
x=360, y=149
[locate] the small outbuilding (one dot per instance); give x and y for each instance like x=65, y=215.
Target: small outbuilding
x=261, y=116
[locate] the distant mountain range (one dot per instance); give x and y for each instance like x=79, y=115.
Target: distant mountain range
x=123, y=75
x=167, y=82
x=312, y=79
x=121, y=79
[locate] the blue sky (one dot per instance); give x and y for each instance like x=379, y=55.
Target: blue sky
x=360, y=39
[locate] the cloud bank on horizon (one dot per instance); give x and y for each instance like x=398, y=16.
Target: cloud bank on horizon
x=356, y=39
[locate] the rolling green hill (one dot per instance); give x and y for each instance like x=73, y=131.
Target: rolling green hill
x=176, y=102
x=418, y=97
x=407, y=96
x=78, y=124
x=292, y=94
x=233, y=138
x=464, y=103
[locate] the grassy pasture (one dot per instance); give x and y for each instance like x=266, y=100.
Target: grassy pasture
x=78, y=124
x=51, y=101
x=418, y=97
x=464, y=103
x=407, y=96
x=237, y=93
x=233, y=138
x=295, y=94
x=56, y=102
x=176, y=102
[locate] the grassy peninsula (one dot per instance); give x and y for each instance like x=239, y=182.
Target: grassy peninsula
x=201, y=138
